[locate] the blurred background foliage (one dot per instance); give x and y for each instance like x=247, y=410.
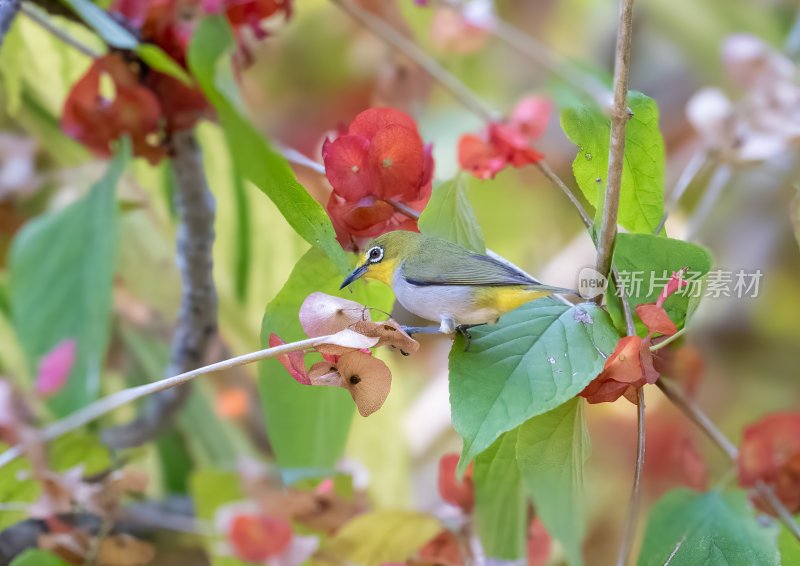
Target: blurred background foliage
x=317, y=72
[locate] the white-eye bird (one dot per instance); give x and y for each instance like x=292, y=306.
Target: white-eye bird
x=445, y=283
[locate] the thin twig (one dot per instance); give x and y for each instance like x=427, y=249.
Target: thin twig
x=633, y=505
x=616, y=154
x=8, y=10
x=298, y=158
x=696, y=164
x=111, y=402
x=548, y=172
x=695, y=414
x=397, y=40
x=197, y=319
x=546, y=58
x=43, y=20
x=669, y=340
x=719, y=180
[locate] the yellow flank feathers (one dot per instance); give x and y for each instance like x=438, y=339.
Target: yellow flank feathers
x=504, y=299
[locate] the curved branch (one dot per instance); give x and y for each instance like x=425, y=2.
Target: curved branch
x=197, y=320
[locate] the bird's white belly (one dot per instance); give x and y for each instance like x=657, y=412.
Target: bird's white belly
x=442, y=302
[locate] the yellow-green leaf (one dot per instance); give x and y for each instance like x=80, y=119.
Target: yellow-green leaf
x=382, y=536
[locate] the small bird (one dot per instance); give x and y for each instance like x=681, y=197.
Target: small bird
x=445, y=283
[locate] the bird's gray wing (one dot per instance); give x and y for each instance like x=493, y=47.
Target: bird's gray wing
x=457, y=266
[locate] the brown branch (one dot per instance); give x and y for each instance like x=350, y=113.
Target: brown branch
x=197, y=320
x=629, y=530
x=8, y=10
x=696, y=415
x=616, y=155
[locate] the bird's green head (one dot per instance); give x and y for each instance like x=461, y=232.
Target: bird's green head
x=383, y=255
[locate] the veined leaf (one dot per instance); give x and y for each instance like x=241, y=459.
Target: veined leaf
x=642, y=192
x=209, y=53
x=789, y=545
x=449, y=215
x=687, y=528
x=100, y=21
x=501, y=508
x=62, y=266
x=536, y=358
x=382, y=536
x=645, y=258
x=551, y=451
x=307, y=425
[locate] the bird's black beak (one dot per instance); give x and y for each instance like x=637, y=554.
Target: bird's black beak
x=357, y=272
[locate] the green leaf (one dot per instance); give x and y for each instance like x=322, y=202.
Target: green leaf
x=690, y=528
x=642, y=191
x=381, y=536
x=789, y=546
x=536, y=358
x=101, y=21
x=212, y=489
x=307, y=425
x=36, y=557
x=209, y=60
x=551, y=451
x=158, y=60
x=449, y=215
x=62, y=266
x=656, y=258
x=501, y=508
x=12, y=63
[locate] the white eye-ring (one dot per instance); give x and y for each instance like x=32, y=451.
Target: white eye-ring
x=375, y=254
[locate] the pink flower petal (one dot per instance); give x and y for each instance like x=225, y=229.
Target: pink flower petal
x=54, y=368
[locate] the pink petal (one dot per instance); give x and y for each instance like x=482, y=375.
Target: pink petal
x=294, y=362
x=54, y=368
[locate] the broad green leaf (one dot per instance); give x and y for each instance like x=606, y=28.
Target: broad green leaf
x=74, y=449
x=501, y=509
x=536, y=358
x=789, y=546
x=211, y=489
x=158, y=60
x=209, y=60
x=551, y=451
x=449, y=215
x=62, y=266
x=645, y=258
x=380, y=537
x=36, y=557
x=690, y=528
x=101, y=21
x=642, y=192
x=12, y=58
x=308, y=425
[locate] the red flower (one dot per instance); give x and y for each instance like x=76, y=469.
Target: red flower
x=770, y=452
x=255, y=538
x=506, y=143
x=626, y=370
x=96, y=121
x=380, y=158
x=454, y=491
x=249, y=12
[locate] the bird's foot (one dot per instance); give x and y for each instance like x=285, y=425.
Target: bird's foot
x=464, y=330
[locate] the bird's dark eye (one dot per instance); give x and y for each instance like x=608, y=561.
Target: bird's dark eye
x=375, y=254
